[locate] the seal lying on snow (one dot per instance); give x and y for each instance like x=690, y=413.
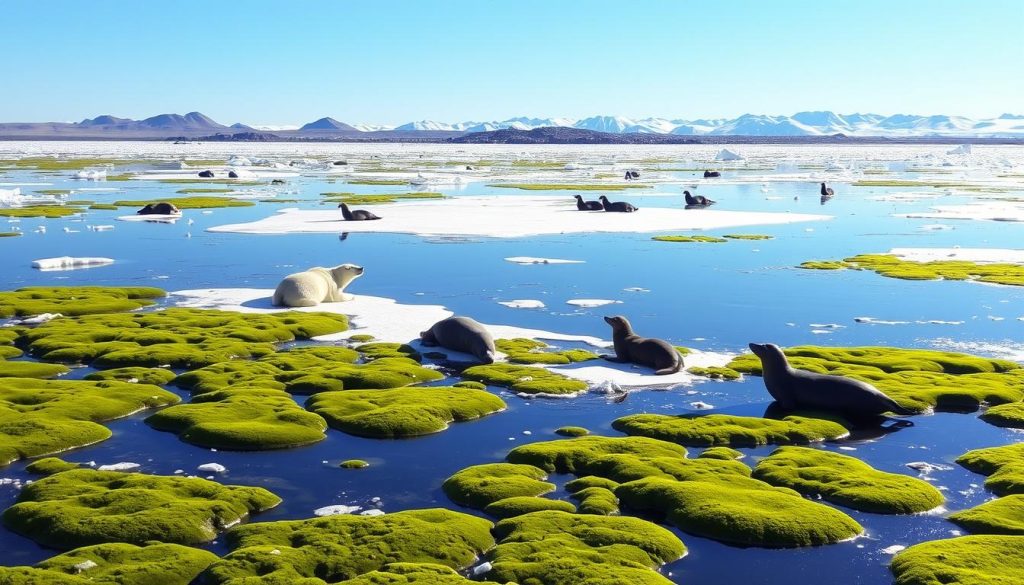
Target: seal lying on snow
x=631, y=348
x=461, y=334
x=357, y=215
x=696, y=200
x=617, y=205
x=162, y=208
x=587, y=205
x=710, y=174
x=799, y=389
x=315, y=286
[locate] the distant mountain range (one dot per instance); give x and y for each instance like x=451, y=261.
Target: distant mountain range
x=806, y=124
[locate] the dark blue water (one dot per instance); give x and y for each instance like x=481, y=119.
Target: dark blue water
x=707, y=296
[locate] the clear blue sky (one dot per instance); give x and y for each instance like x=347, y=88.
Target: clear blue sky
x=391, y=61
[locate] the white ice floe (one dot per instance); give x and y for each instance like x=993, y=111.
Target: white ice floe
x=336, y=510
x=122, y=466
x=935, y=227
x=604, y=374
x=636, y=289
x=726, y=154
x=925, y=468
x=893, y=549
x=154, y=217
x=506, y=216
x=962, y=149
x=212, y=468
x=532, y=260
x=977, y=210
x=69, y=263
x=1007, y=349
x=591, y=303
x=37, y=319
x=523, y=304
x=980, y=255
x=372, y=512
x=482, y=568
x=100, y=228
x=698, y=405
x=91, y=175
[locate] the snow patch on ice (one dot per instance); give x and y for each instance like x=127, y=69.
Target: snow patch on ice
x=69, y=263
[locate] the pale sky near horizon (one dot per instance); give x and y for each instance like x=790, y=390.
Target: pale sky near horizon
x=395, y=61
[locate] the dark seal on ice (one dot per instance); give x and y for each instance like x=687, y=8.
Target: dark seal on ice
x=357, y=215
x=617, y=205
x=162, y=208
x=710, y=174
x=587, y=205
x=461, y=334
x=206, y=174
x=631, y=348
x=694, y=201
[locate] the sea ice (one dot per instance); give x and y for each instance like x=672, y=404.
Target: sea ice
x=335, y=510
x=122, y=466
x=69, y=263
x=591, y=303
x=212, y=468
x=531, y=260
x=523, y=304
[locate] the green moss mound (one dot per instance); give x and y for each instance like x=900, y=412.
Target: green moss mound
x=388, y=182
x=42, y=417
x=748, y=237
x=715, y=372
x=722, y=453
x=572, y=431
x=530, y=351
x=559, y=547
x=402, y=412
x=524, y=379
x=740, y=512
x=967, y=560
x=353, y=464
x=189, y=202
x=360, y=338
x=481, y=485
x=103, y=207
x=690, y=239
x=176, y=337
x=519, y=505
x=10, y=234
x=1005, y=415
x=155, y=376
x=50, y=465
x=82, y=507
x=470, y=384
x=37, y=370
x=372, y=351
x=893, y=267
x=915, y=378
x=75, y=300
x=729, y=430
x=377, y=199
x=116, y=564
x=576, y=455
x=1000, y=516
x=1004, y=467
x=335, y=548
x=47, y=211
x=597, y=500
x=846, y=481
x=589, y=481
x=410, y=574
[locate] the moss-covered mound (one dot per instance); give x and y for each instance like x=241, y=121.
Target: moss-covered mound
x=25, y=369
x=690, y=239
x=597, y=500
x=723, y=453
x=176, y=337
x=189, y=202
x=372, y=351
x=335, y=548
x=524, y=379
x=715, y=372
x=48, y=211
x=1004, y=467
x=1000, y=516
x=530, y=351
x=376, y=199
x=402, y=412
x=723, y=429
x=748, y=237
x=576, y=455
x=967, y=560
x=519, y=505
x=1005, y=415
x=915, y=378
x=353, y=464
x=846, y=481
x=155, y=376
x=555, y=547
x=50, y=465
x=10, y=234
x=407, y=574
x=42, y=417
x=744, y=511
x=481, y=485
x=115, y=564
x=895, y=267
x=75, y=300
x=82, y=507
x=571, y=431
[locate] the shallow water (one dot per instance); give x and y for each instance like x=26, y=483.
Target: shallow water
x=707, y=296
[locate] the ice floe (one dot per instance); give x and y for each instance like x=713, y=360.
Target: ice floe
x=726, y=154
x=977, y=210
x=981, y=255
x=69, y=263
x=122, y=466
x=523, y=304
x=591, y=303
x=335, y=510
x=212, y=468
x=532, y=260
x=154, y=217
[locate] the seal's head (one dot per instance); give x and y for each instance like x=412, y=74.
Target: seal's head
x=343, y=206
x=578, y=197
x=768, y=351
x=619, y=324
x=603, y=199
x=686, y=192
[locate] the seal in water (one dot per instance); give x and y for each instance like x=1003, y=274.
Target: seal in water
x=617, y=205
x=357, y=215
x=826, y=193
x=461, y=334
x=631, y=348
x=162, y=208
x=710, y=174
x=696, y=200
x=799, y=389
x=587, y=205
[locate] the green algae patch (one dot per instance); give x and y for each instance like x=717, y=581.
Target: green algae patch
x=155, y=376
x=103, y=207
x=823, y=265
x=741, y=513
x=50, y=164
x=1005, y=415
x=361, y=338
x=917, y=379
x=30, y=370
x=174, y=337
x=333, y=549
x=1000, y=516
x=554, y=547
x=748, y=237
x=189, y=202
x=75, y=300
x=1003, y=465
x=386, y=182
x=690, y=239
x=728, y=430
x=519, y=505
x=377, y=199
x=721, y=453
x=524, y=379
x=478, y=486
x=597, y=500
x=372, y=351
x=967, y=560
x=577, y=455
x=253, y=420
x=402, y=412
x=353, y=464
x=846, y=481
x=83, y=507
x=530, y=351
x=572, y=431
x=50, y=465
x=43, y=417
x=47, y=211
x=194, y=190
x=893, y=267
x=115, y=564
x=9, y=234
x=569, y=186
x=715, y=372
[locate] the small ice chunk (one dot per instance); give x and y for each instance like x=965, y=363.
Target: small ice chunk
x=636, y=289
x=891, y=550
x=925, y=468
x=701, y=405
x=122, y=466
x=212, y=468
x=372, y=512
x=336, y=509
x=532, y=260
x=523, y=304
x=482, y=568
x=591, y=303
x=69, y=263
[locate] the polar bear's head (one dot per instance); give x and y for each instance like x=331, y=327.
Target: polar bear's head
x=345, y=274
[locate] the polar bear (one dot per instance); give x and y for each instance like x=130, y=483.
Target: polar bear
x=315, y=286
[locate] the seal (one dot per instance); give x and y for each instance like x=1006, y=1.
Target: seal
x=631, y=348
x=316, y=285
x=232, y=175
x=206, y=174
x=162, y=208
x=357, y=215
x=587, y=205
x=617, y=205
x=693, y=201
x=461, y=334
x=826, y=191
x=710, y=174
x=799, y=389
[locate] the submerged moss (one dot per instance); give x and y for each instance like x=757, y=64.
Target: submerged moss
x=10, y=234
x=729, y=430
x=748, y=237
x=479, y=486
x=524, y=379
x=83, y=506
x=690, y=239
x=353, y=464
x=894, y=267
x=333, y=549
x=846, y=481
x=967, y=560
x=75, y=300
x=1003, y=465
x=115, y=564
x=1000, y=516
